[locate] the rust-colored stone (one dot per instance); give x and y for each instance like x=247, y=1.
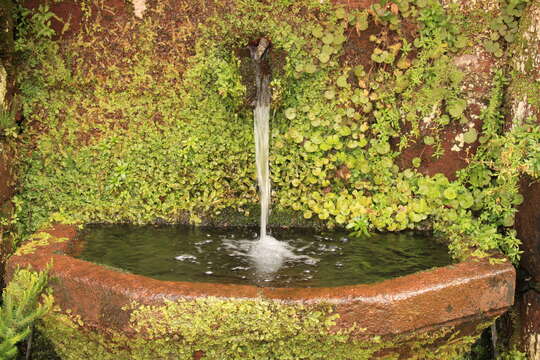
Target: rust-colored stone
x=355, y=4
x=529, y=308
x=449, y=163
x=424, y=300
x=67, y=19
x=69, y=14
x=416, y=301
x=478, y=66
x=528, y=227
x=7, y=179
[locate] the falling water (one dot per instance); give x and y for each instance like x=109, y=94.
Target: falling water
x=267, y=253
x=262, y=130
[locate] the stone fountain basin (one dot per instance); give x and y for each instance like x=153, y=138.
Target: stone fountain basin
x=464, y=297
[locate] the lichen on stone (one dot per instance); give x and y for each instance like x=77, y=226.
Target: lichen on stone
x=242, y=329
x=139, y=7
x=36, y=241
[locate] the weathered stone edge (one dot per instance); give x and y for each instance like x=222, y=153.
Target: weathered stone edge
x=419, y=301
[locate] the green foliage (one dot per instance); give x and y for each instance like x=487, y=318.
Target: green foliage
x=252, y=329
x=35, y=241
x=505, y=26
x=7, y=120
x=493, y=175
x=139, y=138
x=437, y=24
x=513, y=354
x=22, y=304
x=8, y=125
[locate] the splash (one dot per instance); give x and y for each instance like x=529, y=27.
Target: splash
x=267, y=253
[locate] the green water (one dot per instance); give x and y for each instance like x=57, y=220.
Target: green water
x=223, y=255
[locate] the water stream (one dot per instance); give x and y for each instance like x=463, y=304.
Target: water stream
x=261, y=117
x=268, y=253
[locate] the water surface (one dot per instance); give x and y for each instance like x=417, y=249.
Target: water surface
x=225, y=255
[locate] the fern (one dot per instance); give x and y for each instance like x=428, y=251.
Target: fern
x=22, y=305
x=7, y=118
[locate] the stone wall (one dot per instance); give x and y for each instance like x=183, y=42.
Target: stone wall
x=523, y=101
x=7, y=89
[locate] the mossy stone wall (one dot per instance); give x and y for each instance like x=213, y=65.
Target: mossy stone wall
x=246, y=329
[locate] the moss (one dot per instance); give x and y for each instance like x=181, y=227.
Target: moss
x=70, y=342
x=251, y=217
x=37, y=240
x=242, y=329
x=41, y=349
x=525, y=83
x=7, y=10
x=523, y=88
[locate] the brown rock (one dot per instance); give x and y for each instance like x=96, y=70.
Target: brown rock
x=522, y=102
x=478, y=66
x=528, y=227
x=355, y=4
x=426, y=300
x=7, y=178
x=69, y=15
x=529, y=308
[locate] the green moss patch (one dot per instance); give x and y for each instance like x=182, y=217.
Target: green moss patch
x=242, y=329
x=37, y=240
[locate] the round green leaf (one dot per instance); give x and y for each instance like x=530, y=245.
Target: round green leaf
x=470, y=136
x=329, y=94
x=324, y=57
x=429, y=140
x=342, y=81
x=310, y=68
x=466, y=200
x=290, y=113
x=317, y=32
x=341, y=13
x=310, y=147
x=508, y=220
x=450, y=193
x=328, y=38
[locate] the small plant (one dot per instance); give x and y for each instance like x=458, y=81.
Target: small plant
x=22, y=305
x=8, y=126
x=360, y=227
x=513, y=355
x=505, y=26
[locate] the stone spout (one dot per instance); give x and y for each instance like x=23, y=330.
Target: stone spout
x=258, y=52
